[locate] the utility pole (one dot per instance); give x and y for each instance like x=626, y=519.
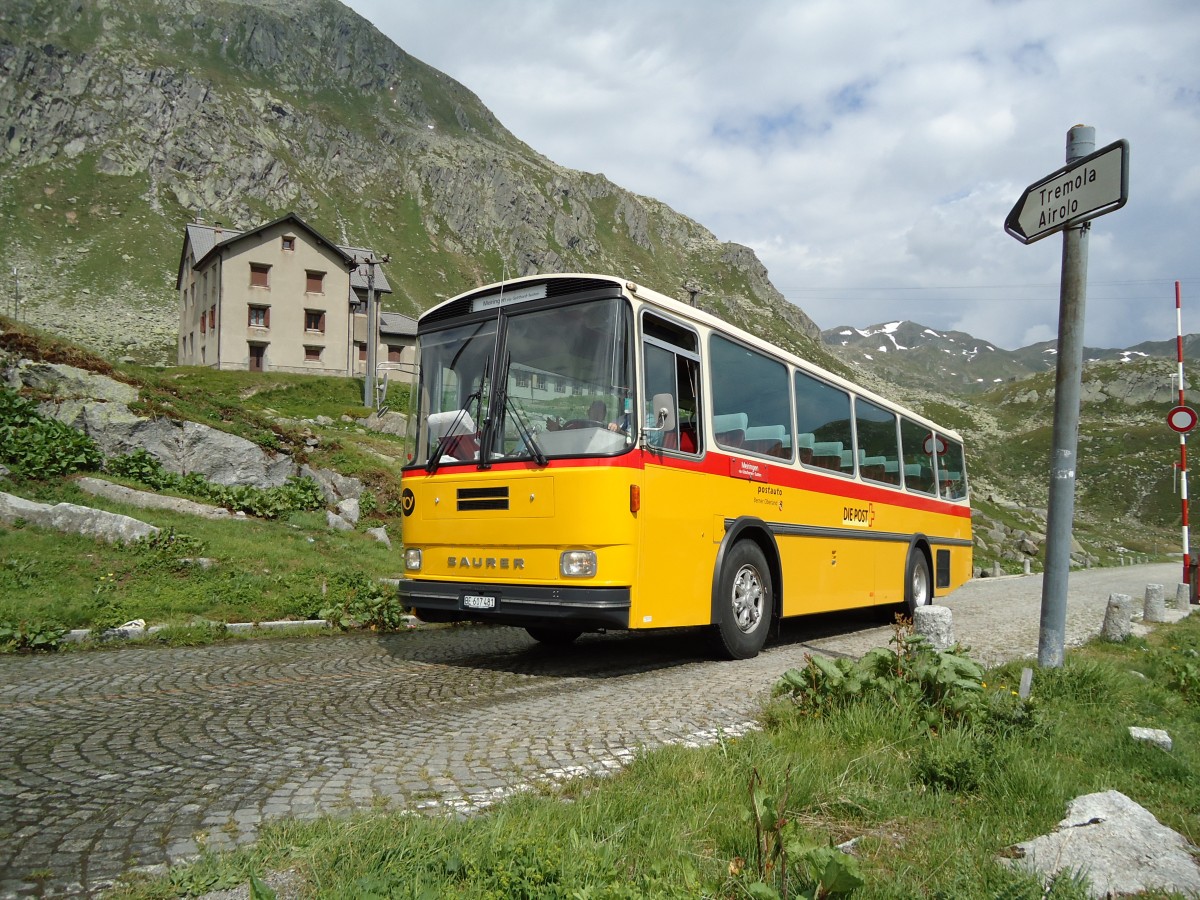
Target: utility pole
x=16, y=293
x=371, y=261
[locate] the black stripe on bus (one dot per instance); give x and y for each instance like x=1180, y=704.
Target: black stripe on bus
x=854, y=534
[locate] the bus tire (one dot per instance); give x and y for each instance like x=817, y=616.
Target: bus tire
x=553, y=637
x=745, y=603
x=918, y=587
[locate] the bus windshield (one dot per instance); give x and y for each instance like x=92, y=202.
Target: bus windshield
x=556, y=383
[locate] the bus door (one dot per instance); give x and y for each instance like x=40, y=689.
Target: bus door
x=674, y=579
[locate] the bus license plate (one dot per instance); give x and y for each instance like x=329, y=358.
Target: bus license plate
x=478, y=601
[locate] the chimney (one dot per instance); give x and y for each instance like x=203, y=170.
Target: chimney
x=218, y=231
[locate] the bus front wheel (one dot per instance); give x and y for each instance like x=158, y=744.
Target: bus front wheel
x=745, y=603
x=918, y=588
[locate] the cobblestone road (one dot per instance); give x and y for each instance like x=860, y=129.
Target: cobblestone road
x=114, y=760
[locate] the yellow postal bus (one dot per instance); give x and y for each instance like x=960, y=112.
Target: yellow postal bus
x=589, y=455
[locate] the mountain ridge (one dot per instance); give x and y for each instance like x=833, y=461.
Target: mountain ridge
x=911, y=353
x=129, y=118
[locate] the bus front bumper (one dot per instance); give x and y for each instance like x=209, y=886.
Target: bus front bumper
x=589, y=608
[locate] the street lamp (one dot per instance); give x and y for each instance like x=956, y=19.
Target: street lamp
x=370, y=261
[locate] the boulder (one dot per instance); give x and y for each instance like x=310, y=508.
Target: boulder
x=334, y=487
x=64, y=382
x=98, y=487
x=72, y=519
x=1118, y=845
x=349, y=510
x=380, y=534
x=336, y=522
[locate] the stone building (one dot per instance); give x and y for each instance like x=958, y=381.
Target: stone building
x=282, y=297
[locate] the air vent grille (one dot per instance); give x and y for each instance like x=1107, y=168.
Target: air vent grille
x=471, y=499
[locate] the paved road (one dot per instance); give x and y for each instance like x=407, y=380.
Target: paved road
x=141, y=756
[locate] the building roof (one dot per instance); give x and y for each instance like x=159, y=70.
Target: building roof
x=397, y=324
x=205, y=239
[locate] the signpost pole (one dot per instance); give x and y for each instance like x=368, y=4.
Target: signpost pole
x=1081, y=141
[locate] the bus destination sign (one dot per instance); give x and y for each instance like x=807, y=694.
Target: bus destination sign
x=1082, y=190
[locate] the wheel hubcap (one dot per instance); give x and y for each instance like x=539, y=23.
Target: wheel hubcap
x=747, y=599
x=920, y=586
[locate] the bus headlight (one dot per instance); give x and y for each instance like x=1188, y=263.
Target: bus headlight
x=577, y=563
x=412, y=559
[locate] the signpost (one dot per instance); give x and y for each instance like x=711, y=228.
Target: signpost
x=1091, y=184
x=1079, y=191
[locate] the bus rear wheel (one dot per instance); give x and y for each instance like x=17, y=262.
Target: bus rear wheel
x=745, y=603
x=553, y=637
x=918, y=588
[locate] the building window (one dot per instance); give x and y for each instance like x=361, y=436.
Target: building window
x=260, y=275
x=314, y=320
x=522, y=378
x=311, y=353
x=260, y=317
x=314, y=282
x=203, y=322
x=289, y=242
x=362, y=351
x=394, y=353
x=212, y=316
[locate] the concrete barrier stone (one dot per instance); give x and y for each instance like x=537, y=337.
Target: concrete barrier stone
x=1118, y=617
x=936, y=625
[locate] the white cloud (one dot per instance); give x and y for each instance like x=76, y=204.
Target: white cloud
x=867, y=151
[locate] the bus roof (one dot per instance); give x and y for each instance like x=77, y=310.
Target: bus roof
x=685, y=311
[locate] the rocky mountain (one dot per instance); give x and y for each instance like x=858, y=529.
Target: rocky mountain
x=125, y=119
x=956, y=362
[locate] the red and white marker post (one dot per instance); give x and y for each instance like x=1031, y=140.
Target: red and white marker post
x=1182, y=419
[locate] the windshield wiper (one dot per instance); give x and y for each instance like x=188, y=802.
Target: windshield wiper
x=502, y=402
x=435, y=458
x=525, y=432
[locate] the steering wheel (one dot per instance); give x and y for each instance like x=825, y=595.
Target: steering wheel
x=582, y=423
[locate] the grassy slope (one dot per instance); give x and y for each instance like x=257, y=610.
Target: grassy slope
x=264, y=569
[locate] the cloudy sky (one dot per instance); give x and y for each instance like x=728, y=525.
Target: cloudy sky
x=867, y=150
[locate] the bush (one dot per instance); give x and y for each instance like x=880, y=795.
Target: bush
x=40, y=448
x=938, y=688
x=31, y=637
x=363, y=603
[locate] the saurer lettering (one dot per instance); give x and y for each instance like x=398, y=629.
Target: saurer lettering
x=485, y=562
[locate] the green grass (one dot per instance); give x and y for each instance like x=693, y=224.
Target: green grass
x=931, y=809
x=260, y=570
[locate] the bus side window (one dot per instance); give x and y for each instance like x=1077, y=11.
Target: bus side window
x=877, y=444
x=918, y=465
x=672, y=382
x=750, y=400
x=952, y=471
x=823, y=422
